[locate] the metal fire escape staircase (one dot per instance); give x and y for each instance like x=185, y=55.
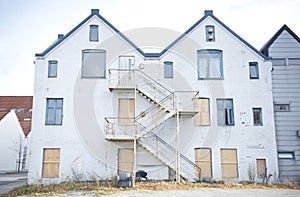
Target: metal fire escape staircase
x=165, y=104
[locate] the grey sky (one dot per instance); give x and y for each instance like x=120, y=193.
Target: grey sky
x=30, y=26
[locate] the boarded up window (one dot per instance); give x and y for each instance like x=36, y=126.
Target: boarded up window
x=125, y=158
x=229, y=163
x=51, y=162
x=202, y=118
x=126, y=111
x=203, y=160
x=261, y=167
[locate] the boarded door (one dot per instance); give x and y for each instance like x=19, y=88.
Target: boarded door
x=229, y=163
x=51, y=162
x=203, y=160
x=261, y=167
x=125, y=160
x=202, y=118
x=126, y=111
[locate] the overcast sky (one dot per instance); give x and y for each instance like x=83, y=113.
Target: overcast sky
x=30, y=26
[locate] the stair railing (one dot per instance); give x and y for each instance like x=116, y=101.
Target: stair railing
x=167, y=153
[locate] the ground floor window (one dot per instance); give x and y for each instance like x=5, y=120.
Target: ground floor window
x=261, y=167
x=229, y=163
x=51, y=159
x=203, y=160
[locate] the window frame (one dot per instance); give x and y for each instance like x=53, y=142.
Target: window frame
x=231, y=115
x=52, y=66
x=94, y=29
x=168, y=66
x=208, y=32
x=255, y=65
x=208, y=52
x=259, y=110
x=89, y=51
x=55, y=109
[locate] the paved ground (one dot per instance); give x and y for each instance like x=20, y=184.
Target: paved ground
x=11, y=181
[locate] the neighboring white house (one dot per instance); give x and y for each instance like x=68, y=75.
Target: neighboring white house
x=103, y=106
x=284, y=49
x=15, y=126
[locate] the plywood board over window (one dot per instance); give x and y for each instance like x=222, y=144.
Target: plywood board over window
x=203, y=160
x=125, y=160
x=51, y=159
x=229, y=163
x=202, y=118
x=261, y=167
x=126, y=111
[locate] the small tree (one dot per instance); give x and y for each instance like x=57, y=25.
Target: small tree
x=18, y=147
x=251, y=172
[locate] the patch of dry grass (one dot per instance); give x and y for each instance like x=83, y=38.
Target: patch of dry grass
x=46, y=190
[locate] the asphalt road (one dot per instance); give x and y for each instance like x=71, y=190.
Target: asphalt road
x=11, y=181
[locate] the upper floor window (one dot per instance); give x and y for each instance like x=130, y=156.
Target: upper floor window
x=54, y=111
x=52, y=68
x=210, y=33
x=93, y=63
x=168, y=69
x=257, y=117
x=225, y=113
x=94, y=33
x=253, y=70
x=210, y=64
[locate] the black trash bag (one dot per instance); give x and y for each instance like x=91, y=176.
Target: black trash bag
x=141, y=174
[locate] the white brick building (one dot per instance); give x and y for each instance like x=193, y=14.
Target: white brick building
x=103, y=106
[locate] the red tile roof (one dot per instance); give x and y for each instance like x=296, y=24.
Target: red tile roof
x=23, y=108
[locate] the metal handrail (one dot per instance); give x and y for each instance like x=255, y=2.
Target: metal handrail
x=147, y=76
x=180, y=154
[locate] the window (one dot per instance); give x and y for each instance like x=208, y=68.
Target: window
x=202, y=118
x=253, y=70
x=286, y=155
x=13, y=109
x=20, y=110
x=52, y=68
x=26, y=119
x=210, y=33
x=257, y=117
x=54, y=111
x=261, y=167
x=278, y=62
x=93, y=63
x=126, y=111
x=210, y=64
x=2, y=109
x=168, y=69
x=51, y=160
x=29, y=111
x=282, y=107
x=229, y=163
x=225, y=113
x=203, y=160
x=94, y=33
x=125, y=160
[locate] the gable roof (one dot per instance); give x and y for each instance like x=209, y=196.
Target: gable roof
x=18, y=102
x=265, y=48
x=95, y=12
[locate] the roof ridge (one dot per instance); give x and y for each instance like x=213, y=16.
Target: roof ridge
x=95, y=12
x=265, y=48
